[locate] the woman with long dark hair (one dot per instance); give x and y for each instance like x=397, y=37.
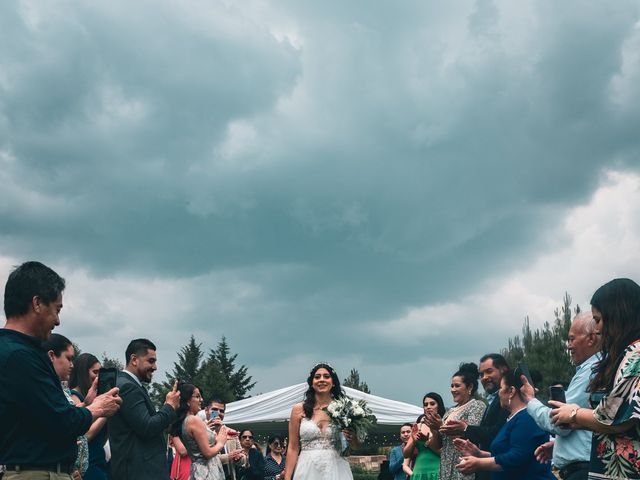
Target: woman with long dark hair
x=311, y=452
x=274, y=459
x=615, y=387
x=84, y=373
x=202, y=444
x=426, y=441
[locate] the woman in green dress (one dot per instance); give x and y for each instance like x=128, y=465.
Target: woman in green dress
x=424, y=442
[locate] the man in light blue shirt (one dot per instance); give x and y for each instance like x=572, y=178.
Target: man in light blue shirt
x=572, y=448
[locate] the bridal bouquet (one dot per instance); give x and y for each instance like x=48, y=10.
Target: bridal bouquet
x=346, y=412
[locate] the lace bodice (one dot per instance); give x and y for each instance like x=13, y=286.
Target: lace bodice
x=312, y=438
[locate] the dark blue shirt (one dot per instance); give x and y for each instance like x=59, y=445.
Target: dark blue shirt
x=513, y=450
x=38, y=426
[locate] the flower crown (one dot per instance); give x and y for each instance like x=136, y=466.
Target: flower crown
x=322, y=364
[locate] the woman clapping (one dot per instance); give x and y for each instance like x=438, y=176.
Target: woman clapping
x=511, y=456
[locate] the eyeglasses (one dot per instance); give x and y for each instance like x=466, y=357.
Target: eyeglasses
x=250, y=437
x=276, y=444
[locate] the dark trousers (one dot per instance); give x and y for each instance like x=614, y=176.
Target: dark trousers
x=579, y=472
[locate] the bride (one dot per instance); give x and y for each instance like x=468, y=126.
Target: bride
x=311, y=453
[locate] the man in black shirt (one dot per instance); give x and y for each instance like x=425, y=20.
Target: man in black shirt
x=39, y=426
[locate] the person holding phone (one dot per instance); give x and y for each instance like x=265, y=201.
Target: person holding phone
x=213, y=416
x=136, y=432
x=39, y=427
x=572, y=448
x=614, y=419
x=82, y=382
x=512, y=452
x=201, y=443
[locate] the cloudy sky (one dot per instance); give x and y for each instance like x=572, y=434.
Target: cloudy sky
x=391, y=186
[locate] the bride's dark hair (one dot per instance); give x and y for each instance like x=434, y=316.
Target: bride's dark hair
x=310, y=394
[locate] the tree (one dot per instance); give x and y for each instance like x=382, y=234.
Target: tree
x=216, y=376
x=239, y=382
x=544, y=350
x=188, y=368
x=353, y=381
x=111, y=362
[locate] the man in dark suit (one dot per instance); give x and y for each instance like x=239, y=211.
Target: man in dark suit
x=136, y=433
x=492, y=367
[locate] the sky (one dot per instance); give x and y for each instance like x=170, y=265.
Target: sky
x=388, y=186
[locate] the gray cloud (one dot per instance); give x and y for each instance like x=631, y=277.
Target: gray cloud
x=338, y=165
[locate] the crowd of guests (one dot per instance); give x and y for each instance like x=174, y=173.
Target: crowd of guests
x=54, y=422
x=511, y=435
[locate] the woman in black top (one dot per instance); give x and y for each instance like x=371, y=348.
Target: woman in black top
x=253, y=466
x=274, y=459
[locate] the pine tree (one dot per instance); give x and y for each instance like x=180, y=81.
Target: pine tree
x=544, y=350
x=239, y=382
x=188, y=368
x=353, y=381
x=108, y=362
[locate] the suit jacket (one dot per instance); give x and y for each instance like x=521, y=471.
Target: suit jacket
x=136, y=434
x=482, y=435
x=228, y=465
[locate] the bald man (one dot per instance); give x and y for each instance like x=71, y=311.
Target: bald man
x=572, y=448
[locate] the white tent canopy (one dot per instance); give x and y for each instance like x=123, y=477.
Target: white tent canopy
x=276, y=406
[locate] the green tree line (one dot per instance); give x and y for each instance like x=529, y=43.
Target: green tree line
x=544, y=349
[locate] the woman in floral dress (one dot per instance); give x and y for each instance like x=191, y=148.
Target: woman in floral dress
x=615, y=387
x=464, y=385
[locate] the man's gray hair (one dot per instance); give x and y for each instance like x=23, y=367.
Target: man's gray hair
x=585, y=321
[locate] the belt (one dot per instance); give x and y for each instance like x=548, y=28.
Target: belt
x=55, y=468
x=572, y=468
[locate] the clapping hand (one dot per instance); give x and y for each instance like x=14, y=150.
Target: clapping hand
x=544, y=453
x=467, y=465
x=453, y=427
x=466, y=447
x=236, y=454
x=433, y=420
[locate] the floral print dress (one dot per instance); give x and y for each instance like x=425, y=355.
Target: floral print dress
x=617, y=456
x=471, y=412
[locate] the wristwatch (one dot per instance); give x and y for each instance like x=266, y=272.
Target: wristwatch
x=574, y=412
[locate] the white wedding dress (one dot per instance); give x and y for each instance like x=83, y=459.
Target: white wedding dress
x=318, y=459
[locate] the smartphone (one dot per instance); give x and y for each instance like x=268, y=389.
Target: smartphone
x=523, y=369
x=557, y=393
x=214, y=414
x=106, y=379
